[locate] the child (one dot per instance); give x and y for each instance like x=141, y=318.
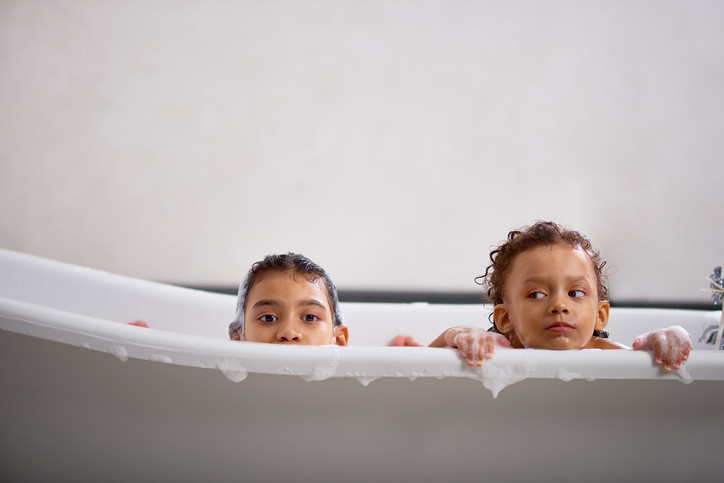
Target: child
x=288, y=299
x=550, y=292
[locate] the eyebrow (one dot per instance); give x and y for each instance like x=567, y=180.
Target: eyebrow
x=276, y=303
x=541, y=279
x=312, y=302
x=264, y=302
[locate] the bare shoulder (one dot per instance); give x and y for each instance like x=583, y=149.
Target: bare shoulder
x=599, y=343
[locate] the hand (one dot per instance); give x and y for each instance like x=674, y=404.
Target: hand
x=475, y=345
x=671, y=346
x=403, y=341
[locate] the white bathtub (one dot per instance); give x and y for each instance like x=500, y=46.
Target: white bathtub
x=168, y=414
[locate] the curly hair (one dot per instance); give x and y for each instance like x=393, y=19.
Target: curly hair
x=541, y=233
x=292, y=263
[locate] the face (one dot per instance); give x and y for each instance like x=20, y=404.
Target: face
x=551, y=299
x=286, y=308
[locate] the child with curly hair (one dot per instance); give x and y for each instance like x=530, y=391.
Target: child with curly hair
x=549, y=291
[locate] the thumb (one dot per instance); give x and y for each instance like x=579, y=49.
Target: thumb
x=642, y=342
x=502, y=341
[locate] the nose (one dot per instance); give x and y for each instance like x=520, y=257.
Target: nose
x=289, y=332
x=558, y=304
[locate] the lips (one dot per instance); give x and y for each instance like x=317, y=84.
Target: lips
x=559, y=327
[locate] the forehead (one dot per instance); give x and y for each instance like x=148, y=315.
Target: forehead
x=553, y=260
x=287, y=288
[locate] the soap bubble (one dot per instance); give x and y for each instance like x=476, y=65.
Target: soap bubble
x=161, y=358
x=566, y=376
x=496, y=378
x=232, y=370
x=365, y=381
x=120, y=352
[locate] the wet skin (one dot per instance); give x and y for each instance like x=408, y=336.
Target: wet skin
x=550, y=300
x=286, y=308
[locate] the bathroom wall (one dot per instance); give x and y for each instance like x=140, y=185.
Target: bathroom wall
x=393, y=142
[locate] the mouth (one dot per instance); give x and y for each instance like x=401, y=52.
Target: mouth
x=559, y=328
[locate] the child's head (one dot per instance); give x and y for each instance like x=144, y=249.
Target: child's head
x=549, y=288
x=288, y=299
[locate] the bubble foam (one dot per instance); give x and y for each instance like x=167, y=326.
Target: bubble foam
x=496, y=378
x=120, y=352
x=683, y=375
x=566, y=376
x=161, y=358
x=365, y=381
x=323, y=370
x=232, y=370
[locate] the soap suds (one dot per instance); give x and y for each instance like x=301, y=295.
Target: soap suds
x=324, y=370
x=565, y=375
x=496, y=378
x=120, y=352
x=232, y=369
x=161, y=358
x=365, y=381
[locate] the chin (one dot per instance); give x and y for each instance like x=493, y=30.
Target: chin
x=562, y=344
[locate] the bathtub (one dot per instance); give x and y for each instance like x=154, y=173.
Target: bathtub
x=87, y=397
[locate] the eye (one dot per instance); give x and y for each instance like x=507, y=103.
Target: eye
x=576, y=293
x=310, y=318
x=268, y=318
x=536, y=295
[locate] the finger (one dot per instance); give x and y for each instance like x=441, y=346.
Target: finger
x=659, y=347
x=502, y=341
x=687, y=350
x=672, y=358
x=642, y=342
x=683, y=348
x=410, y=342
x=474, y=358
x=685, y=345
x=489, y=347
x=462, y=344
x=397, y=341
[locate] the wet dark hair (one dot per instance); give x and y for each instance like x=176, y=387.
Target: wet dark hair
x=542, y=233
x=292, y=263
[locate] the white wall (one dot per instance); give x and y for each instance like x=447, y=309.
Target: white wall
x=393, y=142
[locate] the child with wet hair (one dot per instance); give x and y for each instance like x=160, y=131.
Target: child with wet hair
x=288, y=299
x=550, y=291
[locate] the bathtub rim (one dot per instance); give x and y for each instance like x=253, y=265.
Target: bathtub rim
x=49, y=317
x=237, y=359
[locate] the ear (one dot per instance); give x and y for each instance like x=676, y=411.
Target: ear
x=502, y=319
x=341, y=335
x=604, y=308
x=235, y=329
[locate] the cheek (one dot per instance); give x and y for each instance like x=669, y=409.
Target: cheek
x=322, y=329
x=520, y=313
x=526, y=319
x=322, y=333
x=255, y=330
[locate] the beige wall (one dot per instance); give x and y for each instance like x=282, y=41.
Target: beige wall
x=392, y=142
